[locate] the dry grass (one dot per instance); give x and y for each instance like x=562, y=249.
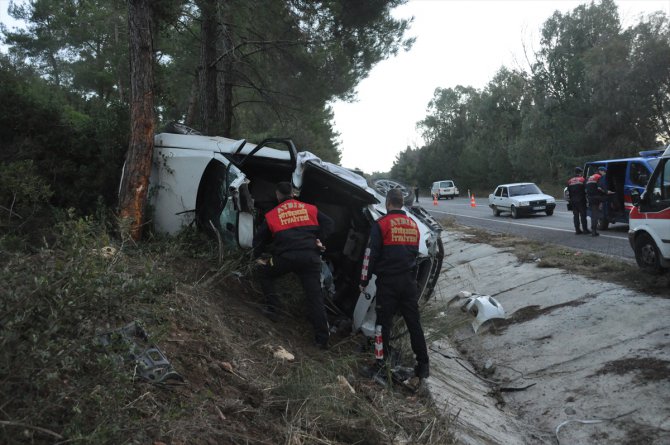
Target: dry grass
x=56, y=386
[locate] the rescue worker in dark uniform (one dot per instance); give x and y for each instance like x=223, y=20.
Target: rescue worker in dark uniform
x=295, y=229
x=577, y=199
x=596, y=190
x=391, y=256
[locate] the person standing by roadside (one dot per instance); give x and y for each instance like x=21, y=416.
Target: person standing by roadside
x=577, y=200
x=295, y=229
x=391, y=255
x=416, y=192
x=596, y=190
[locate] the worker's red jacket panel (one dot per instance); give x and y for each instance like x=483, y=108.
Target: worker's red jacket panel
x=577, y=189
x=392, y=248
x=292, y=225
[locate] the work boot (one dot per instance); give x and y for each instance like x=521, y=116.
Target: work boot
x=322, y=343
x=578, y=232
x=422, y=370
x=586, y=231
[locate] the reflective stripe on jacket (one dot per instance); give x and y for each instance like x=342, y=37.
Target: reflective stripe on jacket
x=577, y=188
x=393, y=246
x=592, y=184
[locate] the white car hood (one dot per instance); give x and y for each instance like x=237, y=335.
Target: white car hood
x=536, y=197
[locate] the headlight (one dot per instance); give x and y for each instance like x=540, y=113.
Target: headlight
x=523, y=203
x=551, y=201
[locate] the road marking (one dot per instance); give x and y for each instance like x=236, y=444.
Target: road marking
x=522, y=224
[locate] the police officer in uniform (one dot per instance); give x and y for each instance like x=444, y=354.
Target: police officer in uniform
x=577, y=199
x=295, y=229
x=391, y=255
x=596, y=190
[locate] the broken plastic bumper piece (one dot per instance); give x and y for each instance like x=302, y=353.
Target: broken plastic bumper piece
x=482, y=307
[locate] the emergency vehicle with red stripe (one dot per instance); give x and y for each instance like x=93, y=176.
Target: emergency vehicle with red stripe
x=623, y=177
x=649, y=226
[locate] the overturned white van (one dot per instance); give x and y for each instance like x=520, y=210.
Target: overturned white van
x=226, y=186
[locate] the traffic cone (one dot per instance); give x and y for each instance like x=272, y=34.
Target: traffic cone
x=434, y=200
x=472, y=201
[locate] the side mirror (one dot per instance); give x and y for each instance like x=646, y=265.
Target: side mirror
x=635, y=197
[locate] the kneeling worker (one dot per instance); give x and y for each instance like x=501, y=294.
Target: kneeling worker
x=391, y=255
x=295, y=229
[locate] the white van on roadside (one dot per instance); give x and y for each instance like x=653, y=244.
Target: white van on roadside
x=649, y=224
x=444, y=189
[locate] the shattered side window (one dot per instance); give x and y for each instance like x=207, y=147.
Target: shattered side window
x=228, y=217
x=228, y=221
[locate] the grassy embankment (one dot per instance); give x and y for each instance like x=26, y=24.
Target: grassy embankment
x=58, y=385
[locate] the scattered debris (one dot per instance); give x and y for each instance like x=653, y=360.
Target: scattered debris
x=106, y=252
x=482, y=307
x=588, y=422
x=151, y=363
x=280, y=353
x=344, y=383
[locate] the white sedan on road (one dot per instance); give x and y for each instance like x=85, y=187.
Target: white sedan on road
x=523, y=198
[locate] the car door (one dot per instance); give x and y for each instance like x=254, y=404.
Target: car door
x=655, y=207
x=495, y=197
x=504, y=198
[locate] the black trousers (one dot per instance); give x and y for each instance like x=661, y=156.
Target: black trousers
x=307, y=265
x=579, y=214
x=399, y=293
x=594, y=206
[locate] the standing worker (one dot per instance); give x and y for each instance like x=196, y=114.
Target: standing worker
x=596, y=190
x=391, y=255
x=416, y=192
x=295, y=229
x=577, y=200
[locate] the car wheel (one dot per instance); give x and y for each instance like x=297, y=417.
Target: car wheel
x=603, y=224
x=384, y=185
x=515, y=212
x=647, y=255
x=496, y=212
x=549, y=212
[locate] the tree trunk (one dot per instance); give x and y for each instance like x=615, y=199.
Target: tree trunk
x=119, y=68
x=192, y=103
x=227, y=81
x=135, y=183
x=208, y=74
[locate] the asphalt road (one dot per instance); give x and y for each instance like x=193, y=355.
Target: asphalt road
x=556, y=229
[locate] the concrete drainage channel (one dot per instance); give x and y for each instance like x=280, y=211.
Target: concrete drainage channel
x=575, y=361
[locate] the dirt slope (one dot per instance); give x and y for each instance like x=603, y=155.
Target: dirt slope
x=597, y=353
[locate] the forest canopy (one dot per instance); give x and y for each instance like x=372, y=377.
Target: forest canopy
x=237, y=68
x=593, y=90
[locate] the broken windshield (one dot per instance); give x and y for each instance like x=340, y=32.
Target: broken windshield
x=524, y=189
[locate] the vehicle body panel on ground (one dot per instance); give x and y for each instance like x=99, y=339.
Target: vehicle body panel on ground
x=623, y=177
x=649, y=225
x=444, y=189
x=226, y=186
x=520, y=199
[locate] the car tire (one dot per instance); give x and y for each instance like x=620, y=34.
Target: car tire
x=515, y=212
x=647, y=254
x=382, y=186
x=496, y=212
x=549, y=212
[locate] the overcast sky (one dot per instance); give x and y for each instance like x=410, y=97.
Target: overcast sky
x=458, y=42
